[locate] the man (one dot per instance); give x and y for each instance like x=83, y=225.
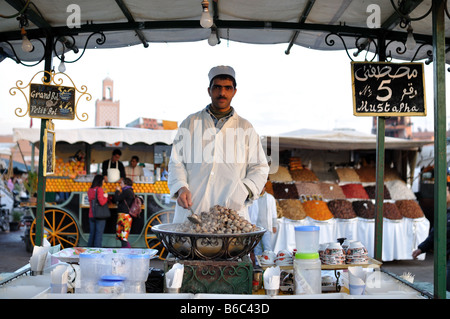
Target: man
x=113, y=170
x=134, y=171
x=263, y=213
x=217, y=157
x=428, y=244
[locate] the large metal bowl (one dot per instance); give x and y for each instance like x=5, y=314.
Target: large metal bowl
x=207, y=246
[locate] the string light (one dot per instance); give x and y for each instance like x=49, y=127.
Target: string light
x=27, y=46
x=206, y=21
x=410, y=43
x=213, y=39
x=62, y=66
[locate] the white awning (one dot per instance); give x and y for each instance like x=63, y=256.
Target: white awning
x=93, y=135
x=338, y=140
x=137, y=22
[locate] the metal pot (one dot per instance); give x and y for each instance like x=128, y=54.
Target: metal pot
x=207, y=246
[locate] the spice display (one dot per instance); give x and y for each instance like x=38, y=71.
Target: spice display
x=281, y=175
x=269, y=188
x=364, y=209
x=399, y=190
x=279, y=210
x=292, y=209
x=285, y=191
x=367, y=174
x=295, y=163
x=371, y=192
x=391, y=174
x=390, y=211
x=409, y=208
x=347, y=174
x=327, y=176
x=354, y=191
x=317, y=209
x=218, y=220
x=331, y=191
x=304, y=175
x=307, y=188
x=341, y=208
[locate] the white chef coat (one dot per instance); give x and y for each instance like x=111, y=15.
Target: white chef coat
x=216, y=165
x=263, y=212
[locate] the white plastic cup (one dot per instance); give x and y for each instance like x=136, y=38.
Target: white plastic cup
x=357, y=289
x=307, y=239
x=307, y=274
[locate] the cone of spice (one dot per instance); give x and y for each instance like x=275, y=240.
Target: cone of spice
x=331, y=191
x=341, y=208
x=285, y=191
x=317, y=209
x=354, y=191
x=281, y=175
x=409, y=208
x=390, y=211
x=292, y=209
x=303, y=175
x=364, y=209
x=347, y=174
x=371, y=192
x=367, y=174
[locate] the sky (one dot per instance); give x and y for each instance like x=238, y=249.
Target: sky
x=277, y=93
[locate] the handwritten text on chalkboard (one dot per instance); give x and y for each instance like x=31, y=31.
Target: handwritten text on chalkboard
x=388, y=89
x=52, y=102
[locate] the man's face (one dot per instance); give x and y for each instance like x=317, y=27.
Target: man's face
x=221, y=92
x=115, y=157
x=133, y=162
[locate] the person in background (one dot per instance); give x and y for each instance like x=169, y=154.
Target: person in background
x=79, y=156
x=97, y=226
x=113, y=167
x=428, y=244
x=134, y=171
x=263, y=213
x=124, y=197
x=233, y=172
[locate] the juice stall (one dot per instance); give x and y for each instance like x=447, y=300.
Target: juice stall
x=66, y=219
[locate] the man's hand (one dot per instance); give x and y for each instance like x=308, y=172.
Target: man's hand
x=184, y=197
x=416, y=253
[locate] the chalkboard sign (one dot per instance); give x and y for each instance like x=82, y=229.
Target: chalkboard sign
x=388, y=89
x=52, y=101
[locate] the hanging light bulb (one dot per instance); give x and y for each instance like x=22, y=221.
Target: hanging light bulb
x=206, y=21
x=410, y=43
x=62, y=66
x=213, y=39
x=26, y=44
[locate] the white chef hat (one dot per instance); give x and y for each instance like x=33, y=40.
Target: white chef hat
x=221, y=70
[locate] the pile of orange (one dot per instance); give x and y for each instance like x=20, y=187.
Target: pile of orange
x=69, y=185
x=71, y=169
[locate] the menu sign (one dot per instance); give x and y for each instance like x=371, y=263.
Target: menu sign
x=52, y=101
x=388, y=89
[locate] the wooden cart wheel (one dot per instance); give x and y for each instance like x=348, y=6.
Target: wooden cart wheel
x=151, y=240
x=61, y=228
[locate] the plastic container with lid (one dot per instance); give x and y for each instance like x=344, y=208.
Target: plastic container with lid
x=138, y=266
x=307, y=238
x=90, y=265
x=307, y=274
x=111, y=284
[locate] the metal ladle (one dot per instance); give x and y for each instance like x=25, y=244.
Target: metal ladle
x=193, y=218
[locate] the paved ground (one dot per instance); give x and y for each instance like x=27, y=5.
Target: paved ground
x=14, y=256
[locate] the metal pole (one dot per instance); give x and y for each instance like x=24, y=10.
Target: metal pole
x=380, y=155
x=40, y=208
x=440, y=169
